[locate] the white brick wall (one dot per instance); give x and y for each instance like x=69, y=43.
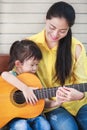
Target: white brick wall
x=22, y=18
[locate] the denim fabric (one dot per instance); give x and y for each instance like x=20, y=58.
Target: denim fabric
x=60, y=119
x=38, y=123
x=81, y=118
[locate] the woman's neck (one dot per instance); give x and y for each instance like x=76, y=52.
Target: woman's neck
x=51, y=44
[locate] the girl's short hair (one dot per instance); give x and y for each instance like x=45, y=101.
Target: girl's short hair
x=23, y=50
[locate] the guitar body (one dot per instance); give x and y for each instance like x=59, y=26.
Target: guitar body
x=10, y=109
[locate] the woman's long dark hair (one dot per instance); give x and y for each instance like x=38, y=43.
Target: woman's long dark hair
x=63, y=63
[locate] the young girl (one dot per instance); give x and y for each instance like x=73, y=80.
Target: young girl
x=24, y=57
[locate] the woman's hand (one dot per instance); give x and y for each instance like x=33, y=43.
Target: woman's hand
x=29, y=95
x=59, y=99
x=69, y=94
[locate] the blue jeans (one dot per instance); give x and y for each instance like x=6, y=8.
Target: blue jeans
x=61, y=119
x=38, y=123
x=81, y=118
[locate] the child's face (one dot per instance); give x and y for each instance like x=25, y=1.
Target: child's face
x=30, y=65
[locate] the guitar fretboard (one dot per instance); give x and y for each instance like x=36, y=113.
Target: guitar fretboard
x=51, y=92
x=46, y=92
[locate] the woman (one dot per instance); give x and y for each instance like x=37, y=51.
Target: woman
x=64, y=63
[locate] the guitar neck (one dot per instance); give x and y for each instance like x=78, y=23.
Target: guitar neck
x=51, y=92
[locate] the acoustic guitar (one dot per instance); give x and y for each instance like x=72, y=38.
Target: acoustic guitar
x=12, y=101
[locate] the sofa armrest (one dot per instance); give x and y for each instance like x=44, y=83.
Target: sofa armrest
x=4, y=59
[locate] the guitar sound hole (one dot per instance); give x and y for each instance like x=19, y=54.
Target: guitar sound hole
x=18, y=97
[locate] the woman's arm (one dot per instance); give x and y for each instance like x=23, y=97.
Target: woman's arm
x=79, y=74
x=80, y=66
x=59, y=99
x=51, y=103
x=78, y=52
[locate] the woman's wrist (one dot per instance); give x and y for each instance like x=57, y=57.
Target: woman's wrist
x=82, y=96
x=51, y=103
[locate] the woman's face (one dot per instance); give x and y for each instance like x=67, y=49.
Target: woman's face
x=56, y=29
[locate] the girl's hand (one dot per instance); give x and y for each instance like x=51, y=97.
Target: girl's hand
x=69, y=94
x=29, y=95
x=27, y=91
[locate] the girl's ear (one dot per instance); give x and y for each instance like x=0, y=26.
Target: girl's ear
x=18, y=63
